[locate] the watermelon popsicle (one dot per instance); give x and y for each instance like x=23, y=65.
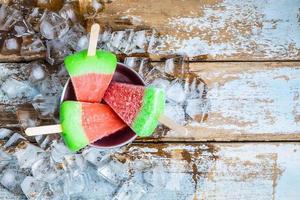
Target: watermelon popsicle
x=91, y=70
x=139, y=107
x=82, y=124
x=90, y=75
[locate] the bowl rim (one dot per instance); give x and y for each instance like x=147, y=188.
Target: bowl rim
x=113, y=146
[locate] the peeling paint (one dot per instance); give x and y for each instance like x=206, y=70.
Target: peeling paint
x=255, y=101
x=261, y=29
x=222, y=30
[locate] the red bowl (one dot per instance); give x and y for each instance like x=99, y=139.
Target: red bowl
x=123, y=74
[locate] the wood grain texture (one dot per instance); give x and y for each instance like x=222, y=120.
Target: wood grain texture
x=216, y=171
x=247, y=101
x=222, y=30
x=19, y=58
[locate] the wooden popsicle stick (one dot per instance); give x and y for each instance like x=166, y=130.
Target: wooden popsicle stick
x=51, y=129
x=95, y=29
x=172, y=124
x=43, y=130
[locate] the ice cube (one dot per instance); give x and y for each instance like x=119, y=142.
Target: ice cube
x=156, y=73
x=39, y=139
x=120, y=40
x=5, y=159
x=57, y=50
x=176, y=92
x=140, y=42
x=161, y=83
x=57, y=185
x=59, y=151
x=53, y=26
x=62, y=74
x=32, y=187
x=141, y=65
x=22, y=28
x=115, y=40
x=45, y=106
x=44, y=169
x=47, y=30
x=197, y=109
x=95, y=156
x=28, y=155
x=34, y=17
x=5, y=133
x=13, y=140
x=154, y=42
x=76, y=38
x=177, y=66
x=74, y=162
x=50, y=86
x=9, y=87
x=18, y=89
x=32, y=45
x=82, y=43
x=10, y=46
x=48, y=140
x=75, y=183
x=11, y=180
x=194, y=87
x=48, y=194
x=175, y=112
x=114, y=171
x=8, y=17
x=104, y=38
x=37, y=72
x=131, y=62
x=79, y=187
x=130, y=191
x=105, y=192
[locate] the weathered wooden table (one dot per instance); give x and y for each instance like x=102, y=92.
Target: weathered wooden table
x=248, y=54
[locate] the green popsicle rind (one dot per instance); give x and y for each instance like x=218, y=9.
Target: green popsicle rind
x=153, y=106
x=70, y=118
x=79, y=63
